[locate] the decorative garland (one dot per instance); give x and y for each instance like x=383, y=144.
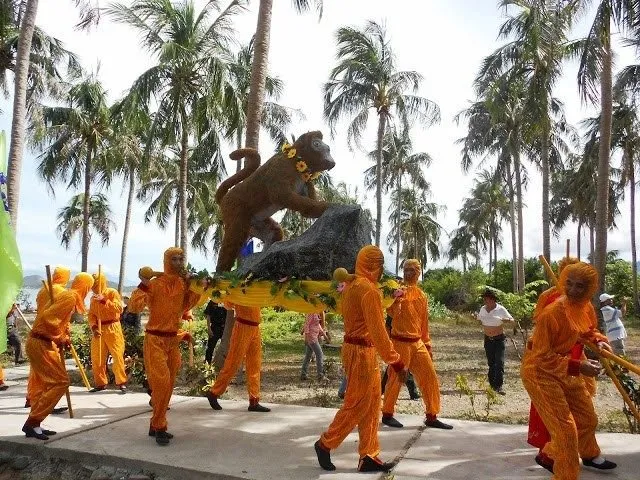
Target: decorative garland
x=301, y=165
x=290, y=287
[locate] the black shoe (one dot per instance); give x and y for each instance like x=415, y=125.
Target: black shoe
x=324, y=457
x=31, y=433
x=123, y=389
x=27, y=404
x=368, y=464
x=435, y=423
x=48, y=432
x=213, y=401
x=58, y=411
x=500, y=391
x=414, y=396
x=98, y=389
x=544, y=463
x=152, y=433
x=606, y=465
x=3, y=387
x=391, y=422
x=163, y=438
x=258, y=408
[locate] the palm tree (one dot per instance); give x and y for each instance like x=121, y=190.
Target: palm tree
x=419, y=230
x=462, y=245
x=535, y=55
x=186, y=83
x=71, y=219
x=72, y=138
x=260, y=63
x=366, y=78
x=275, y=119
x=36, y=60
x=596, y=58
x=398, y=161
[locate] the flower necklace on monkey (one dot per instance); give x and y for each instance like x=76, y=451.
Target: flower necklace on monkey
x=301, y=165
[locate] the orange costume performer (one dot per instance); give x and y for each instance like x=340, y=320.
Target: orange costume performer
x=3, y=387
x=106, y=305
x=245, y=345
x=365, y=333
x=551, y=371
x=49, y=335
x=168, y=298
x=59, y=279
x=410, y=337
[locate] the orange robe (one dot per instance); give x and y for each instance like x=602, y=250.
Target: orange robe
x=59, y=279
x=51, y=328
x=365, y=333
x=410, y=337
x=245, y=345
x=108, y=310
x=553, y=381
x=1, y=375
x=168, y=298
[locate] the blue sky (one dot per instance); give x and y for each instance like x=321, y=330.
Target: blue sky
x=445, y=41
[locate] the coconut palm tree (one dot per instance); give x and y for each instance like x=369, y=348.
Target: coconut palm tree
x=463, y=246
x=419, y=230
x=260, y=63
x=71, y=219
x=275, y=119
x=36, y=61
x=398, y=162
x=537, y=32
x=186, y=82
x=595, y=82
x=365, y=79
x=72, y=138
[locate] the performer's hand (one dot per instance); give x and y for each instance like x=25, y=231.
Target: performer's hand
x=99, y=297
x=145, y=281
x=590, y=368
x=64, y=343
x=186, y=337
x=605, y=346
x=430, y=351
x=96, y=333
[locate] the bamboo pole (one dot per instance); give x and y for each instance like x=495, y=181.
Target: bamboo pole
x=623, y=392
x=99, y=320
x=548, y=270
x=64, y=365
x=613, y=357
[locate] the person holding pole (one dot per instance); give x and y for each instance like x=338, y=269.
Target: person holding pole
x=48, y=337
x=551, y=373
x=104, y=319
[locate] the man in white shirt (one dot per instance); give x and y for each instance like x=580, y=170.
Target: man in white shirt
x=612, y=316
x=492, y=315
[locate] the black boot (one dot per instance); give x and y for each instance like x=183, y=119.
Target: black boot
x=606, y=465
x=213, y=401
x=435, y=423
x=152, y=433
x=324, y=457
x=545, y=462
x=58, y=411
x=98, y=389
x=369, y=464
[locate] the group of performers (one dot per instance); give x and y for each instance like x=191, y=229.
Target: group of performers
x=555, y=371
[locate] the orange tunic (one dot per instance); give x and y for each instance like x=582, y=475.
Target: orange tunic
x=365, y=333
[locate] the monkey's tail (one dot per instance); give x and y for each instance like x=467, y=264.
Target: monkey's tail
x=251, y=165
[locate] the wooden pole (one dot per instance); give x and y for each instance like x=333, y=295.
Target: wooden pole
x=99, y=320
x=613, y=357
x=623, y=392
x=548, y=270
x=64, y=365
x=568, y=247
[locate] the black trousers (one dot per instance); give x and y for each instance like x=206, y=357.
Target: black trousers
x=14, y=340
x=494, y=348
x=211, y=344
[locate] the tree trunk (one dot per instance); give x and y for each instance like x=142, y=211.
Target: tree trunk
x=516, y=167
x=579, y=239
x=398, y=217
x=592, y=244
x=125, y=233
x=239, y=146
x=258, y=73
x=495, y=257
x=490, y=249
x=632, y=207
x=182, y=189
x=16, y=146
x=382, y=124
x=85, y=210
x=602, y=195
x=464, y=263
x=176, y=234
x=546, y=222
x=512, y=222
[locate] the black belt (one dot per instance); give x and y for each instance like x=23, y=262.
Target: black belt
x=502, y=336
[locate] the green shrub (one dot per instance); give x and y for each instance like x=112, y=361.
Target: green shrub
x=279, y=325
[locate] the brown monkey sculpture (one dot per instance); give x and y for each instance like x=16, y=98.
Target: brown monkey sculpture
x=258, y=192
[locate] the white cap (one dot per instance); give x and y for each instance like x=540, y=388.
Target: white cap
x=605, y=296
